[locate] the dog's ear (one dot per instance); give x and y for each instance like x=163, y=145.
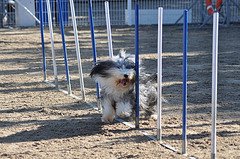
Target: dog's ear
x=97, y=69
x=101, y=68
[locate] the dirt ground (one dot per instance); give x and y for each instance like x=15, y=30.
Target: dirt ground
x=38, y=121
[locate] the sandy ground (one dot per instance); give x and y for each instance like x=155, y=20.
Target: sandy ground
x=38, y=121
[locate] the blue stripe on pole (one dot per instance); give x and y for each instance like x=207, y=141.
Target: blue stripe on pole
x=93, y=41
x=63, y=41
x=65, y=11
x=137, y=63
x=185, y=46
x=42, y=38
x=42, y=7
x=65, y=14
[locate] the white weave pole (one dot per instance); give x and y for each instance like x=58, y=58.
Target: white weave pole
x=214, y=83
x=52, y=43
x=109, y=32
x=159, y=50
x=77, y=49
x=29, y=12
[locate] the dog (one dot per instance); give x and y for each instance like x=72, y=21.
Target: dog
x=116, y=78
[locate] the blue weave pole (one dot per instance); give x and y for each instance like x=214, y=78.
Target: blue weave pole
x=42, y=39
x=93, y=44
x=64, y=46
x=184, y=93
x=137, y=64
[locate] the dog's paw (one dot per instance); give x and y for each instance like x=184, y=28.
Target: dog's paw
x=107, y=119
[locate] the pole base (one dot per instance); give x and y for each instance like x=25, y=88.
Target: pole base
x=99, y=105
x=159, y=134
x=184, y=147
x=137, y=123
x=213, y=156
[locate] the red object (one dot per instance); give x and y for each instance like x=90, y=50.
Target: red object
x=219, y=5
x=209, y=6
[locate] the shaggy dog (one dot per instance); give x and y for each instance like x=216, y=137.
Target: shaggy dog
x=116, y=78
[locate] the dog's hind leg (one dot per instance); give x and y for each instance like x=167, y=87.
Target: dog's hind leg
x=108, y=111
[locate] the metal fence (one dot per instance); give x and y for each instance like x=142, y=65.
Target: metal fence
x=7, y=13
x=117, y=9
x=2, y=6
x=230, y=11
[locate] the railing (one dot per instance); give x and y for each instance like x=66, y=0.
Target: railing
x=120, y=10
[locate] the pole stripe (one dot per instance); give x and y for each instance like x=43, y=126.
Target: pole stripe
x=42, y=39
x=159, y=101
x=78, y=53
x=64, y=47
x=184, y=111
x=109, y=32
x=52, y=42
x=93, y=45
x=137, y=63
x=214, y=84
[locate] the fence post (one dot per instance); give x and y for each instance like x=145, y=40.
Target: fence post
x=228, y=12
x=129, y=12
x=1, y=13
x=202, y=9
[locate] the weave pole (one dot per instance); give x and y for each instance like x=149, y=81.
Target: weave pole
x=94, y=48
x=137, y=64
x=184, y=92
x=159, y=81
x=159, y=51
x=80, y=72
x=52, y=43
x=109, y=32
x=214, y=84
x=42, y=40
x=64, y=47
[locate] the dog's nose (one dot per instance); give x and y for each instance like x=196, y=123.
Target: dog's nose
x=125, y=75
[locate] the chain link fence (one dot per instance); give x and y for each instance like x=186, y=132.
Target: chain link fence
x=230, y=11
x=7, y=13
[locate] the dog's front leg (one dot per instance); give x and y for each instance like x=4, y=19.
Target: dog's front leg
x=124, y=109
x=108, y=111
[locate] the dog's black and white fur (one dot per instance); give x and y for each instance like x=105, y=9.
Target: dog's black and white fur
x=116, y=77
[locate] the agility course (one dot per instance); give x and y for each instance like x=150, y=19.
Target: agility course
x=38, y=110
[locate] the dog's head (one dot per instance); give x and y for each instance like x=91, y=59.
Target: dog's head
x=116, y=74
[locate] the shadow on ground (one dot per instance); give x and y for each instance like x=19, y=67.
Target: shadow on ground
x=85, y=125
